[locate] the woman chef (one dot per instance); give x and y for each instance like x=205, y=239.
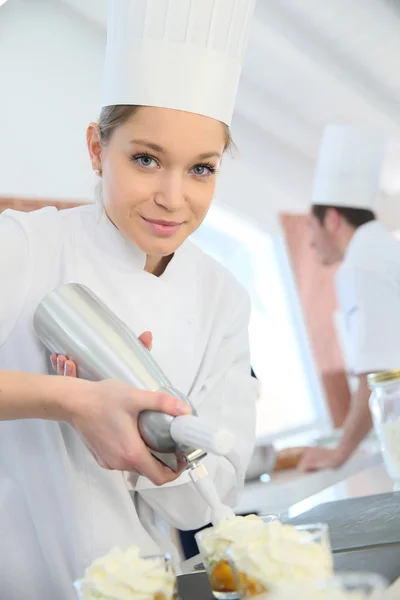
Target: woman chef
x=171, y=79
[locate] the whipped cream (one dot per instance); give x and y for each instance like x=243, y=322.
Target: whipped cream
x=237, y=531
x=285, y=553
x=126, y=576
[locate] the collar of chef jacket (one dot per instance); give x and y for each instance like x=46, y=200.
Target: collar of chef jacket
x=362, y=240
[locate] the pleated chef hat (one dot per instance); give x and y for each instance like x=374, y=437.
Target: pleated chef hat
x=182, y=54
x=349, y=167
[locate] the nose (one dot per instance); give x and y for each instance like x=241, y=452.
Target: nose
x=170, y=194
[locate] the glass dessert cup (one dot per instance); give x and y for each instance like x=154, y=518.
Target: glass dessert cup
x=296, y=554
x=88, y=590
x=217, y=564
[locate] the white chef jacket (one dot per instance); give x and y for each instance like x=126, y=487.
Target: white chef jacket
x=58, y=509
x=368, y=292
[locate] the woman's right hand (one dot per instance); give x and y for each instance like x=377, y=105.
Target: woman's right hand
x=105, y=414
x=106, y=418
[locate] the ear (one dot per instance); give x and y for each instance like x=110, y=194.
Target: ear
x=94, y=146
x=332, y=220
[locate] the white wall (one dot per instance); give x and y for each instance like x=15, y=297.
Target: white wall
x=263, y=174
x=51, y=65
x=50, y=77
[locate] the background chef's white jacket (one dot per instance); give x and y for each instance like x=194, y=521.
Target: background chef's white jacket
x=368, y=292
x=58, y=509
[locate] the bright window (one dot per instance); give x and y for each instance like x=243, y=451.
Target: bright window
x=291, y=396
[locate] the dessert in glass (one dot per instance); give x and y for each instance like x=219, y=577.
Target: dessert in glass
x=128, y=576
x=289, y=553
x=213, y=543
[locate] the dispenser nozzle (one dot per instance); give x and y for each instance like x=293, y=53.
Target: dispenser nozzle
x=190, y=430
x=206, y=488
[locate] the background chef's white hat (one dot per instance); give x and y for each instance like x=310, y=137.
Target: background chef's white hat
x=181, y=54
x=349, y=167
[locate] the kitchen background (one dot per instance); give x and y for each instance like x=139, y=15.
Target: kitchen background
x=308, y=63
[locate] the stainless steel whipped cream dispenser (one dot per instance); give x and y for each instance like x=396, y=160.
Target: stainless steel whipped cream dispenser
x=73, y=321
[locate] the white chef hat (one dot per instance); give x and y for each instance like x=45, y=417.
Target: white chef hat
x=181, y=54
x=349, y=167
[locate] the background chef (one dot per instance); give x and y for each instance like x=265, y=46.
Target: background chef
x=170, y=85
x=345, y=230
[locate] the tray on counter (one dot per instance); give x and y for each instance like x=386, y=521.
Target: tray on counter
x=367, y=521
x=384, y=560
x=194, y=586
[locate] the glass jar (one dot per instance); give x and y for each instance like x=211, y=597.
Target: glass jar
x=385, y=410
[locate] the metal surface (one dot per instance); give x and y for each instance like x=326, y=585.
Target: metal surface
x=384, y=377
x=384, y=560
x=368, y=521
x=194, y=586
x=71, y=320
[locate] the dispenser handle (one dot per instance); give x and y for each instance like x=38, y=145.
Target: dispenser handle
x=196, y=432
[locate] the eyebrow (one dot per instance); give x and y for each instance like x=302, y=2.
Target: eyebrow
x=161, y=150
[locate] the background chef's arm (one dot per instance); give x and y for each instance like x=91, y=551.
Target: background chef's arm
x=228, y=397
x=358, y=421
x=373, y=318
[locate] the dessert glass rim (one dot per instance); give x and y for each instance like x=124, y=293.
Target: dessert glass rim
x=210, y=531
x=313, y=529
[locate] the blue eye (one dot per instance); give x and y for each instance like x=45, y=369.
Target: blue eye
x=204, y=170
x=145, y=160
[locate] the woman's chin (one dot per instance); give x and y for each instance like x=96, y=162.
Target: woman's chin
x=159, y=247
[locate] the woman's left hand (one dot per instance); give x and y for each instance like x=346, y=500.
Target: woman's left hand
x=63, y=366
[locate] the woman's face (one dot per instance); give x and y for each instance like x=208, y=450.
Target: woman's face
x=159, y=173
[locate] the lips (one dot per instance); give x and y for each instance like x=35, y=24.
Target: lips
x=164, y=223
x=162, y=228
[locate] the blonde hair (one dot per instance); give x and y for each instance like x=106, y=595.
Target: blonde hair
x=112, y=117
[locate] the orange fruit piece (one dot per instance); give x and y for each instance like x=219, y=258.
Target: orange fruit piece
x=223, y=578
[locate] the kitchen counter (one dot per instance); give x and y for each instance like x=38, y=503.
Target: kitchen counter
x=290, y=488
x=367, y=482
